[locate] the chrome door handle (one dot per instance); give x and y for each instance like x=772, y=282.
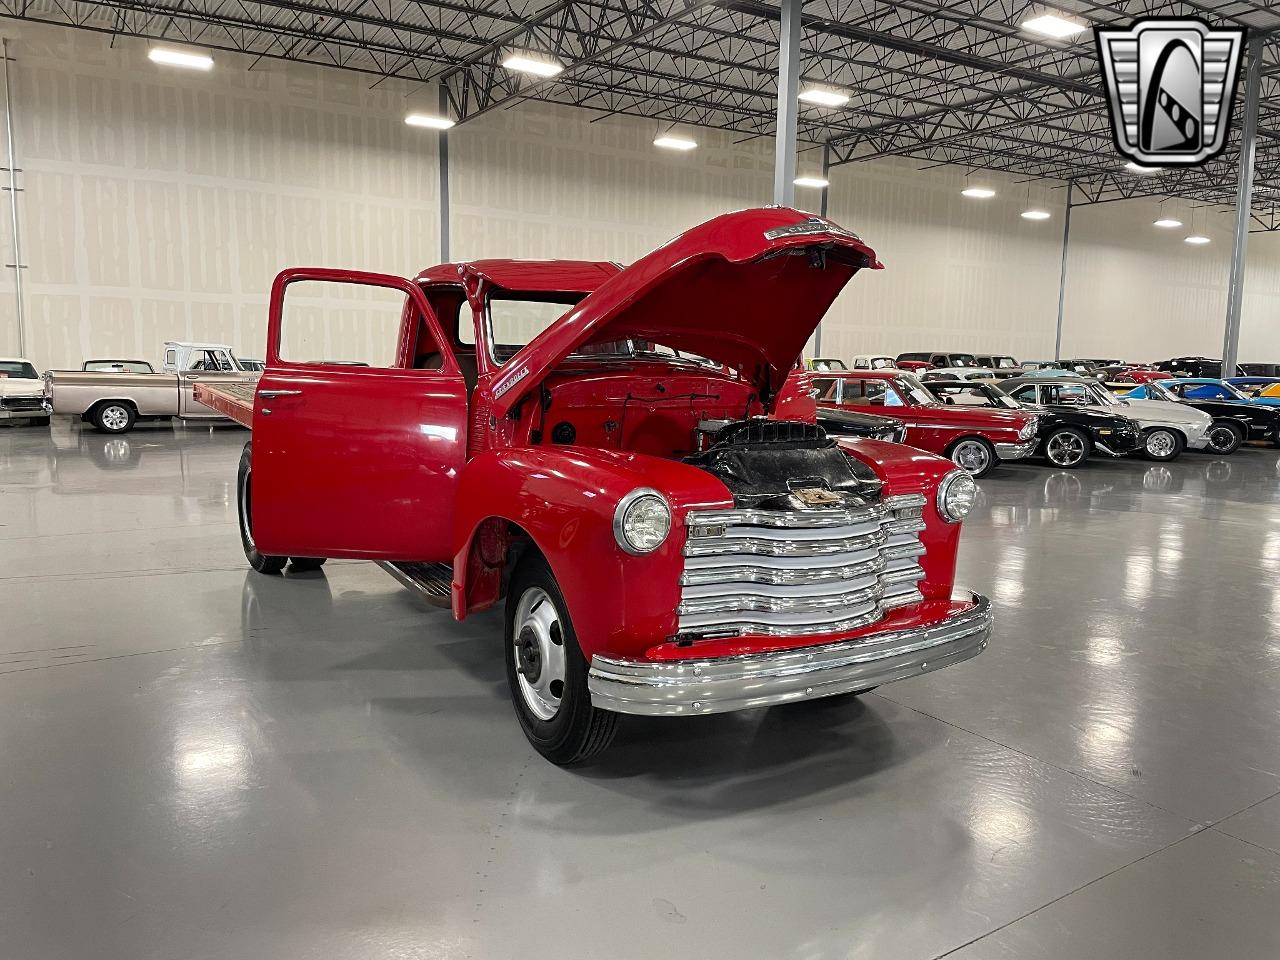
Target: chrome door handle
x=192, y=376
x=272, y=394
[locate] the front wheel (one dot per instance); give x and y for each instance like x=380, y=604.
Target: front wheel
x=974, y=455
x=1067, y=448
x=547, y=672
x=1162, y=444
x=263, y=563
x=1224, y=438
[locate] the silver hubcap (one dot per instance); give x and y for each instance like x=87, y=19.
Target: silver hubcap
x=1160, y=444
x=539, y=649
x=115, y=418
x=971, y=456
x=1221, y=438
x=1065, y=449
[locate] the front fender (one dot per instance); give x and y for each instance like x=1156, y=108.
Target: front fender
x=564, y=498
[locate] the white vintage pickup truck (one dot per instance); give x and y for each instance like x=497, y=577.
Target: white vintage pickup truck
x=113, y=401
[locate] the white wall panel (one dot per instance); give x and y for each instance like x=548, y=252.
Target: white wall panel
x=160, y=204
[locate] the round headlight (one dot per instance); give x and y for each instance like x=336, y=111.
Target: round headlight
x=956, y=495
x=1029, y=431
x=642, y=521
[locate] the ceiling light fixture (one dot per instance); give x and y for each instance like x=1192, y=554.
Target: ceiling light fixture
x=1196, y=239
x=981, y=193
x=1054, y=25
x=671, y=141
x=1139, y=168
x=824, y=97
x=1166, y=222
x=818, y=182
x=426, y=120
x=1036, y=214
x=177, y=58
x=538, y=66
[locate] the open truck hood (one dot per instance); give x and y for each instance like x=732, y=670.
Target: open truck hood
x=746, y=290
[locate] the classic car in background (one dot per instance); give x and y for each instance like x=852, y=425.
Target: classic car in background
x=114, y=401
x=1003, y=364
x=937, y=359
x=1207, y=388
x=1167, y=429
x=1254, y=384
x=1067, y=435
x=1236, y=418
x=973, y=438
x=964, y=374
x=664, y=547
x=22, y=394
x=873, y=361
x=1193, y=367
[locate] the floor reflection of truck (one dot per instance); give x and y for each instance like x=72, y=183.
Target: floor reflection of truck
x=114, y=401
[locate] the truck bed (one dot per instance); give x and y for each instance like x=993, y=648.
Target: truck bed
x=234, y=400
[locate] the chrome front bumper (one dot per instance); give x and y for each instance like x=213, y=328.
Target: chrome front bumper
x=722, y=684
x=1017, y=451
x=7, y=413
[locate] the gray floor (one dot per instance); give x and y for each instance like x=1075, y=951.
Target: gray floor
x=196, y=761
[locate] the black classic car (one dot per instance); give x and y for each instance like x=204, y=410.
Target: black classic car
x=847, y=423
x=1068, y=434
x=1236, y=417
x=1193, y=367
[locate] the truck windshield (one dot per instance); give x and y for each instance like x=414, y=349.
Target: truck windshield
x=18, y=370
x=516, y=318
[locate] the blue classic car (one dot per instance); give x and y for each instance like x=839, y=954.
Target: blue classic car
x=1250, y=383
x=1206, y=388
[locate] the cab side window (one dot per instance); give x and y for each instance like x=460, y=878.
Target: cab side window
x=1025, y=394
x=939, y=360
x=341, y=324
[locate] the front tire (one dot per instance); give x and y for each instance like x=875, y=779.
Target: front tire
x=1162, y=444
x=1224, y=438
x=547, y=672
x=1067, y=448
x=263, y=563
x=114, y=417
x=974, y=455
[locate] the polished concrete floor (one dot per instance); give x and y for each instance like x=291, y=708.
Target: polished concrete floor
x=199, y=762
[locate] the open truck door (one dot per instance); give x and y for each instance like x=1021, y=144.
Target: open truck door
x=356, y=457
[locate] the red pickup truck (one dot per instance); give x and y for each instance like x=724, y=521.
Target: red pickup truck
x=664, y=546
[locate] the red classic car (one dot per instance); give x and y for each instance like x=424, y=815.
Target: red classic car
x=976, y=438
x=594, y=444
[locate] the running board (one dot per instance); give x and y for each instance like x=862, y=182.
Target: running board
x=431, y=581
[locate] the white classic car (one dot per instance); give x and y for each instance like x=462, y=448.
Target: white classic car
x=22, y=394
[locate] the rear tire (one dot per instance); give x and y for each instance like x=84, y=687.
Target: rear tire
x=39, y=421
x=1225, y=438
x=974, y=455
x=1067, y=448
x=114, y=416
x=1162, y=444
x=547, y=672
x=263, y=563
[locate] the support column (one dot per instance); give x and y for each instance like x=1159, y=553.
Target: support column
x=784, y=163
x=1062, y=277
x=1244, y=204
x=12, y=154
x=442, y=161
x=822, y=210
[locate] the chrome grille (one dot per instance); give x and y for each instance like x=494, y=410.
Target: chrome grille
x=21, y=403
x=795, y=572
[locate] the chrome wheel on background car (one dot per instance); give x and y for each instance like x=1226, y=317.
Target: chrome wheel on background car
x=1224, y=438
x=113, y=418
x=1162, y=444
x=1066, y=448
x=539, y=652
x=975, y=457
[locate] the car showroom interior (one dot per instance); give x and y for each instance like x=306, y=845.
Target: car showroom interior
x=593, y=479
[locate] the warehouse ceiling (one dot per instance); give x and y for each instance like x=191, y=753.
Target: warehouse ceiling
x=942, y=83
